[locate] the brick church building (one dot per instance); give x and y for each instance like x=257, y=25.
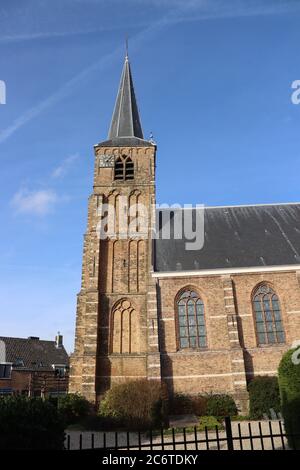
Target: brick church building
x=206, y=320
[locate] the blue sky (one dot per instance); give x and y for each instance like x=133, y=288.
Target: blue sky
x=213, y=81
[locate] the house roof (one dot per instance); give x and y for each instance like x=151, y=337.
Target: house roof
x=36, y=354
x=236, y=237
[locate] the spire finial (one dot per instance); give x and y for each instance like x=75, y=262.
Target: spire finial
x=151, y=139
x=126, y=47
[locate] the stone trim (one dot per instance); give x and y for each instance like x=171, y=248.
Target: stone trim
x=262, y=372
x=203, y=376
x=217, y=272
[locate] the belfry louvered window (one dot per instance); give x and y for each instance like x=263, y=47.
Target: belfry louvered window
x=267, y=311
x=129, y=169
x=191, y=321
x=119, y=169
x=124, y=168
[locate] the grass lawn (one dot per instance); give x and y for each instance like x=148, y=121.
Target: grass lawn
x=205, y=422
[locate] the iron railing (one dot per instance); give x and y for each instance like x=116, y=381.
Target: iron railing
x=258, y=435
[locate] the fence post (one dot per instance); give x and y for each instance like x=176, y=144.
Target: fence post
x=228, y=433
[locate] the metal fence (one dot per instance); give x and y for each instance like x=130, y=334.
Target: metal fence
x=257, y=435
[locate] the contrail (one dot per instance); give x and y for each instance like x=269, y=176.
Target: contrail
x=63, y=91
x=70, y=85
x=174, y=17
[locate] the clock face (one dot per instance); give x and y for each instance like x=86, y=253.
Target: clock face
x=106, y=161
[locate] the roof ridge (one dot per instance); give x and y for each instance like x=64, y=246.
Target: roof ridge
x=28, y=339
x=233, y=206
x=255, y=205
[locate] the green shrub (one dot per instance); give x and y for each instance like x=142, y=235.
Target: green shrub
x=203, y=405
x=188, y=404
x=240, y=418
x=30, y=423
x=134, y=405
x=263, y=396
x=221, y=405
x=209, y=422
x=289, y=385
x=73, y=408
x=181, y=404
x=199, y=405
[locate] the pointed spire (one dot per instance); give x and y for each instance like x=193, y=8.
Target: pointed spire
x=125, y=120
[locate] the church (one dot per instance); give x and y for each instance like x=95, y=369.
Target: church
x=203, y=320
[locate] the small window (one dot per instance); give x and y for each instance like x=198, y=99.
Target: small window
x=59, y=371
x=5, y=371
x=6, y=391
x=19, y=362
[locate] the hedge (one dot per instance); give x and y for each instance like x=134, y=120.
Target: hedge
x=188, y=404
x=289, y=385
x=264, y=397
x=221, y=405
x=218, y=405
x=30, y=423
x=73, y=408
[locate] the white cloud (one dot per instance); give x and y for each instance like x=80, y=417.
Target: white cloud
x=66, y=164
x=42, y=201
x=39, y=202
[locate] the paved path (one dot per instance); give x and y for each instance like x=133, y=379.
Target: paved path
x=240, y=432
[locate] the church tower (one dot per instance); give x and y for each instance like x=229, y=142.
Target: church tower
x=116, y=324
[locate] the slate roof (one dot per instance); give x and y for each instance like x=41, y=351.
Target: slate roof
x=126, y=120
x=36, y=354
x=236, y=237
x=126, y=142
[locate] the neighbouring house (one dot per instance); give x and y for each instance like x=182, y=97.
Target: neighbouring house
x=33, y=367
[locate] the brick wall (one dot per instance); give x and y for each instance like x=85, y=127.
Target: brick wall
x=232, y=356
x=25, y=381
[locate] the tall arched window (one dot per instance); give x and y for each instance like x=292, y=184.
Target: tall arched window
x=124, y=168
x=124, y=328
x=191, y=321
x=266, y=305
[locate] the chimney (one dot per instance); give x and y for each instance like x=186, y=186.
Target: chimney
x=59, y=340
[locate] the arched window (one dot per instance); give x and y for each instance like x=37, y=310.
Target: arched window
x=266, y=306
x=124, y=168
x=191, y=321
